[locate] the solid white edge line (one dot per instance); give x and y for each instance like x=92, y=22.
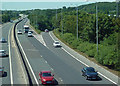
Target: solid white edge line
x=84, y=63
x=75, y=57
x=10, y=61
x=51, y=37
x=28, y=63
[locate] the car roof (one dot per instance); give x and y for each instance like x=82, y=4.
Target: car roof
x=2, y=50
x=89, y=68
x=46, y=71
x=56, y=41
x=1, y=69
x=26, y=26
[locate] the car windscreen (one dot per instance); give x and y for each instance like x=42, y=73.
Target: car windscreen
x=2, y=51
x=56, y=42
x=90, y=70
x=46, y=74
x=2, y=38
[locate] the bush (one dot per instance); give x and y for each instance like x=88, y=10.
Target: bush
x=107, y=56
x=83, y=47
x=92, y=52
x=75, y=43
x=68, y=37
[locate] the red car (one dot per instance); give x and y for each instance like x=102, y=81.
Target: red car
x=46, y=77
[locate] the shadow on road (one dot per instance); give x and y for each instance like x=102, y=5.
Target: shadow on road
x=98, y=79
x=4, y=56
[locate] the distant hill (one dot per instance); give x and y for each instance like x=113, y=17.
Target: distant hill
x=106, y=7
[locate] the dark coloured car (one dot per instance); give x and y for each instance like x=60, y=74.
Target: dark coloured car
x=2, y=40
x=46, y=77
x=89, y=73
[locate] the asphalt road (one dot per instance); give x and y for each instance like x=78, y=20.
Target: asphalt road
x=35, y=59
x=13, y=74
x=5, y=60
x=66, y=69
x=69, y=64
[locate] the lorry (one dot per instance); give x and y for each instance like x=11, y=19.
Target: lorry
x=26, y=28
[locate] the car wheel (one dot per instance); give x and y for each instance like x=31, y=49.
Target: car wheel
x=86, y=77
x=82, y=74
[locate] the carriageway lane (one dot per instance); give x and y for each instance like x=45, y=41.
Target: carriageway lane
x=69, y=68
x=34, y=57
x=5, y=60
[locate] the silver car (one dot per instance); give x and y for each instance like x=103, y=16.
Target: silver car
x=56, y=44
x=19, y=32
x=3, y=53
x=1, y=71
x=29, y=34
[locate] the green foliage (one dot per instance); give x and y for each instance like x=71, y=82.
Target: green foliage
x=75, y=43
x=108, y=28
x=88, y=48
x=7, y=16
x=108, y=56
x=68, y=37
x=111, y=40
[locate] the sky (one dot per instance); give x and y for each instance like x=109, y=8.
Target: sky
x=56, y=0
x=43, y=4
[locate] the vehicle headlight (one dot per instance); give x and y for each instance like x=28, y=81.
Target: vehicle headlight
x=88, y=75
x=44, y=80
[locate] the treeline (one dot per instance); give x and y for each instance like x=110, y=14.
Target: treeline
x=8, y=16
x=65, y=24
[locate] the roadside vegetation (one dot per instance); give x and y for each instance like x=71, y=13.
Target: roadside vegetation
x=108, y=30
x=8, y=16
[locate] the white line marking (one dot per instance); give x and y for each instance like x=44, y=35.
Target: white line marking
x=84, y=63
x=10, y=61
x=107, y=78
x=52, y=69
x=61, y=80
x=28, y=62
x=51, y=37
x=43, y=41
x=45, y=61
x=75, y=57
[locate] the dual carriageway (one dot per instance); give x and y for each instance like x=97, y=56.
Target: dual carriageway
x=40, y=56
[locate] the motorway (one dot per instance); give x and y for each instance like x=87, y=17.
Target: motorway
x=5, y=60
x=67, y=70
x=13, y=70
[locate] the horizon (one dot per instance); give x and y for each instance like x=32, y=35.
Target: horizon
x=21, y=6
